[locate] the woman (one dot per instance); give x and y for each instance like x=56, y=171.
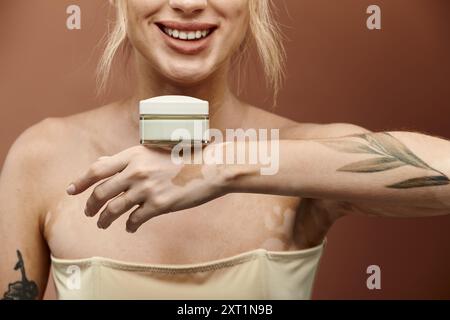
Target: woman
x=208, y=230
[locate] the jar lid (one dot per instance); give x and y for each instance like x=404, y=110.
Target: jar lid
x=174, y=105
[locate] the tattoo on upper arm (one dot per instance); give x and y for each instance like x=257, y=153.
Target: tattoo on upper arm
x=391, y=154
x=22, y=289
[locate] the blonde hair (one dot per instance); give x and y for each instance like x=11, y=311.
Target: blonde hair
x=265, y=34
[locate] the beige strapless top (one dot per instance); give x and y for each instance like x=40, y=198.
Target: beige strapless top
x=256, y=274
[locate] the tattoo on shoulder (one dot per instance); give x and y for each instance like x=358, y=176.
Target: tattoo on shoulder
x=390, y=153
x=22, y=289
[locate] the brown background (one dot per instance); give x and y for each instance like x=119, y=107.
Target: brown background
x=393, y=79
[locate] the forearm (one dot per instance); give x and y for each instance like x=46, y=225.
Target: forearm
x=397, y=168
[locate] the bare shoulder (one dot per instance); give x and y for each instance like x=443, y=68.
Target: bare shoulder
x=291, y=129
x=25, y=181
x=46, y=146
x=40, y=140
x=260, y=118
x=35, y=144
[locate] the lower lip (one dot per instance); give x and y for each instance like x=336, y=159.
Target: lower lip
x=190, y=47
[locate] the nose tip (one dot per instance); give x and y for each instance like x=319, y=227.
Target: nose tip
x=188, y=6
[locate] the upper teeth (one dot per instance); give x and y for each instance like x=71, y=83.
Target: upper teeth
x=186, y=35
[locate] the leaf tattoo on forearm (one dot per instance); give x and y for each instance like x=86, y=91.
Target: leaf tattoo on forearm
x=391, y=154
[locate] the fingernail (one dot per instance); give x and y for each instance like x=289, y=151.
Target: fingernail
x=71, y=189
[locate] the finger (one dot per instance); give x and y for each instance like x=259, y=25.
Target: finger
x=104, y=192
x=117, y=207
x=141, y=215
x=101, y=169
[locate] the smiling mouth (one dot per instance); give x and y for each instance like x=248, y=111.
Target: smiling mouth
x=190, y=32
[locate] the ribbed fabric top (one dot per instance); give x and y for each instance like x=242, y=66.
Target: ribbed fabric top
x=256, y=274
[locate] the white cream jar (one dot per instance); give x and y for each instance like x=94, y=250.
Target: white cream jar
x=168, y=120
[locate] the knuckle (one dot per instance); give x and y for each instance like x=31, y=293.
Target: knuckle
x=95, y=170
x=140, y=172
x=145, y=193
x=113, y=208
x=159, y=201
x=98, y=194
x=148, y=187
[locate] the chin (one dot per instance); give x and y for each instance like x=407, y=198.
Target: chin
x=188, y=80
x=188, y=74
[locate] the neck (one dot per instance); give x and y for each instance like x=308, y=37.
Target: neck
x=215, y=89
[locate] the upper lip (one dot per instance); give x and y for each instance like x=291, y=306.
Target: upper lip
x=187, y=26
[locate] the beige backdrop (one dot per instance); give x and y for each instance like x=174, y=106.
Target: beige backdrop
x=339, y=71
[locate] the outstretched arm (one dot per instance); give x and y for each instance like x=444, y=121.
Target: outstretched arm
x=383, y=173
x=390, y=173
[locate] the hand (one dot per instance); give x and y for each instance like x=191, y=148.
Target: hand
x=150, y=179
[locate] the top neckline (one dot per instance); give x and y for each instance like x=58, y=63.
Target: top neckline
x=202, y=266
